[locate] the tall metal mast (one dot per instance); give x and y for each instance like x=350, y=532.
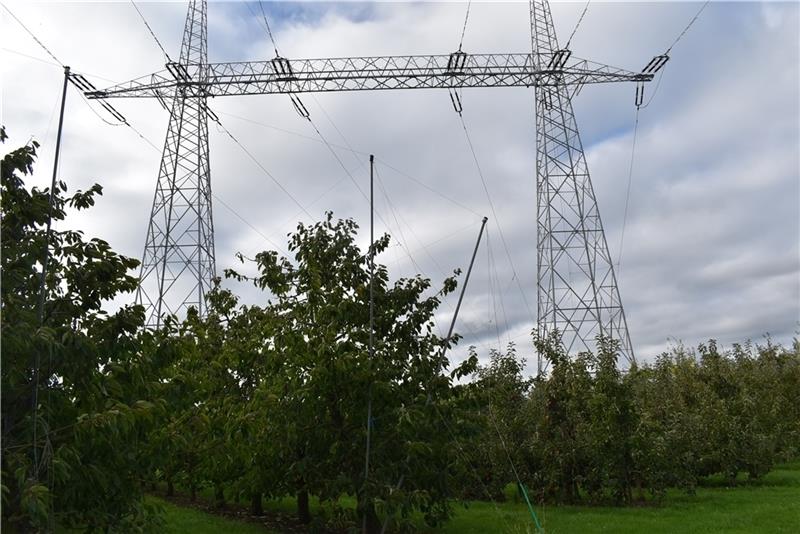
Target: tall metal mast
x=576, y=285
x=178, y=261
x=577, y=288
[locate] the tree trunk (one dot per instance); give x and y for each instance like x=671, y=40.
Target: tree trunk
x=193, y=490
x=219, y=496
x=373, y=524
x=303, y=512
x=255, y=504
x=170, y=487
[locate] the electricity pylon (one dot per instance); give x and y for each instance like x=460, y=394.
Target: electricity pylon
x=577, y=290
x=178, y=261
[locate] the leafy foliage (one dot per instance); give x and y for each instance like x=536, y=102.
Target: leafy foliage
x=76, y=400
x=263, y=401
x=282, y=390
x=590, y=432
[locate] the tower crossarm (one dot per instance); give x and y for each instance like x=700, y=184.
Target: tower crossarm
x=456, y=70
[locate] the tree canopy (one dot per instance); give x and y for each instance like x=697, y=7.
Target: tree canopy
x=77, y=392
x=261, y=401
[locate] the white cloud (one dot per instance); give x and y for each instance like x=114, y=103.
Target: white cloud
x=711, y=239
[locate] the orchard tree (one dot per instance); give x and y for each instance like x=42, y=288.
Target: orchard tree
x=321, y=376
x=78, y=393
x=503, y=445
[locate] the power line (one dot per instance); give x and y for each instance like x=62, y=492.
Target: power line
x=339, y=160
x=330, y=120
x=445, y=237
x=658, y=85
x=217, y=198
x=266, y=24
x=398, y=218
x=636, y=129
x=89, y=105
x=266, y=172
x=46, y=138
x=301, y=109
x=464, y=29
x=628, y=191
x=389, y=204
x=497, y=294
x=404, y=243
x=269, y=30
x=316, y=128
x=152, y=33
x=145, y=139
x=677, y=39
x=341, y=164
x=491, y=304
x=686, y=29
x=580, y=19
x=310, y=204
x=122, y=120
x=256, y=230
x=329, y=146
x=40, y=43
x=400, y=231
x=30, y=56
x=355, y=152
x=494, y=213
x=432, y=190
x=290, y=132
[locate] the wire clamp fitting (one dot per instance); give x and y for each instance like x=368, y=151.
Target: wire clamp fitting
x=179, y=72
x=639, y=94
x=455, y=98
x=559, y=59
x=656, y=64
x=283, y=69
x=456, y=63
x=299, y=107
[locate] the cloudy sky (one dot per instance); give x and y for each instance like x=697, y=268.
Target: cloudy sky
x=711, y=247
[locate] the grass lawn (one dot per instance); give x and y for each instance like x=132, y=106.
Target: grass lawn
x=181, y=520
x=771, y=505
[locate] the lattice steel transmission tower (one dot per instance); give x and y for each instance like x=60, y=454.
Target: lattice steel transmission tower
x=577, y=289
x=576, y=284
x=178, y=261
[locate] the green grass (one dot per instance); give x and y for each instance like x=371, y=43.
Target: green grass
x=771, y=505
x=180, y=520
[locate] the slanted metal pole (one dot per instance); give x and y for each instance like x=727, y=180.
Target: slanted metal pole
x=46, y=255
x=42, y=280
x=464, y=287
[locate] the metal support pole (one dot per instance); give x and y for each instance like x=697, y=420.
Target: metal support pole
x=43, y=279
x=46, y=254
x=464, y=287
x=371, y=322
x=371, y=255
